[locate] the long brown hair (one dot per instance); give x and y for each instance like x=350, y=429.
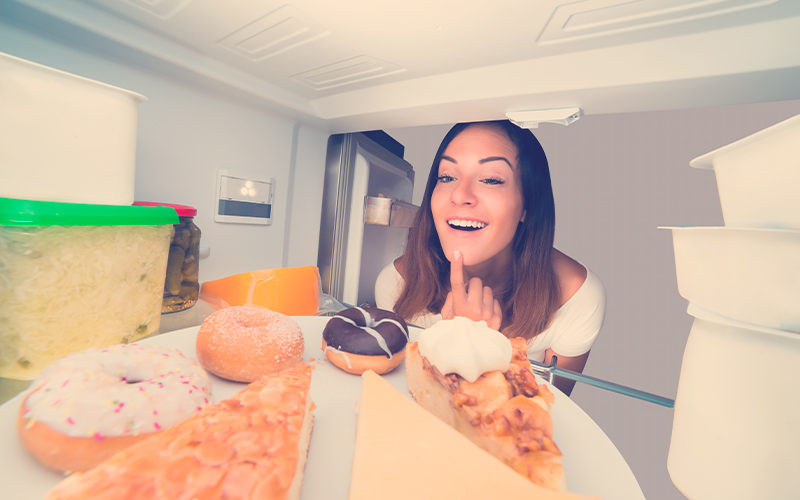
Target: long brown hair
x=533, y=295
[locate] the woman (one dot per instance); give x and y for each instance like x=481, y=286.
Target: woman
x=481, y=246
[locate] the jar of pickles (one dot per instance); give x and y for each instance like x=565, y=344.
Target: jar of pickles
x=182, y=286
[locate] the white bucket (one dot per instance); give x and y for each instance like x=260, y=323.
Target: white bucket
x=736, y=427
x=758, y=177
x=65, y=138
x=745, y=274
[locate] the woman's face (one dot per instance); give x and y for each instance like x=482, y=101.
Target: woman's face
x=477, y=202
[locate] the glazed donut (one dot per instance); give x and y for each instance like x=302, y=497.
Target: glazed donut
x=244, y=343
x=360, y=339
x=88, y=405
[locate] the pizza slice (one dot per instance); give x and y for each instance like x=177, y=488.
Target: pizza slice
x=505, y=413
x=252, y=445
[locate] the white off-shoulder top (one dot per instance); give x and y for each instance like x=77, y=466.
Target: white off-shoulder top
x=572, y=332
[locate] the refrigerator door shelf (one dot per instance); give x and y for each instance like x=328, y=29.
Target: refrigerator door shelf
x=391, y=212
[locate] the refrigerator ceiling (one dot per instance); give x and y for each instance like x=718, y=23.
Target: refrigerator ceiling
x=365, y=64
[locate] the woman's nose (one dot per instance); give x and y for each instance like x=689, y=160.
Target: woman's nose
x=463, y=193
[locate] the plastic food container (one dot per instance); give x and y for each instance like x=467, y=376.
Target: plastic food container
x=75, y=276
x=758, y=177
x=64, y=137
x=182, y=286
x=745, y=274
x=734, y=433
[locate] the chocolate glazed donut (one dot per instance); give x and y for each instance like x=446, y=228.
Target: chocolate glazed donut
x=360, y=339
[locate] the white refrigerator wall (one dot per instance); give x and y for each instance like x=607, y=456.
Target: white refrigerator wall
x=185, y=134
x=616, y=178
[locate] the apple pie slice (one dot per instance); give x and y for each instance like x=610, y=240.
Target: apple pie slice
x=505, y=413
x=404, y=452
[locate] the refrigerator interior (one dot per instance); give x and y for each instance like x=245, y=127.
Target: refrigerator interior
x=651, y=103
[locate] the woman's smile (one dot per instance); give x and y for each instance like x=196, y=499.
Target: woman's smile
x=466, y=225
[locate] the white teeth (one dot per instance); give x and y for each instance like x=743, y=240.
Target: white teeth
x=467, y=223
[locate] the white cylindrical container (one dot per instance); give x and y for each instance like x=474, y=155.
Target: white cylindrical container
x=746, y=274
x=758, y=177
x=377, y=210
x=736, y=427
x=63, y=137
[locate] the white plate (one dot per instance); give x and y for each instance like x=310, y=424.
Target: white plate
x=592, y=463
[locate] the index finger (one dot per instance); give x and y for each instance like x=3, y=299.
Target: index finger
x=457, y=285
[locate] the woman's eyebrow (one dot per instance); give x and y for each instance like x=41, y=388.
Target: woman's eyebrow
x=482, y=161
x=496, y=158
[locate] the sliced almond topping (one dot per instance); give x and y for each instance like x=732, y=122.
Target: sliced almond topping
x=214, y=452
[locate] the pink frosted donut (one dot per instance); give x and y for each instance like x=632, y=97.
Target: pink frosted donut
x=88, y=405
x=244, y=343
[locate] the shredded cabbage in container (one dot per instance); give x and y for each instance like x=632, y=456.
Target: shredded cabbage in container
x=66, y=289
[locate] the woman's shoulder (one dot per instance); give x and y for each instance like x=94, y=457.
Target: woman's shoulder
x=571, y=275
x=388, y=286
x=389, y=273
x=399, y=265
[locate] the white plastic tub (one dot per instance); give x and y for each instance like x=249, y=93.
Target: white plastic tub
x=745, y=274
x=63, y=137
x=758, y=177
x=735, y=428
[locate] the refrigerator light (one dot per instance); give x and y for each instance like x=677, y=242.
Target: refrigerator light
x=532, y=118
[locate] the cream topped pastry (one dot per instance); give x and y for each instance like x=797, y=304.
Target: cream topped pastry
x=468, y=348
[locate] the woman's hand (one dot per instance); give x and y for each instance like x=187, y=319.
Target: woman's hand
x=473, y=300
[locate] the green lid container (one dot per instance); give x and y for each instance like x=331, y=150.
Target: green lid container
x=76, y=276
x=15, y=212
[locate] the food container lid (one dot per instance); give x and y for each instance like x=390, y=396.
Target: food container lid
x=183, y=210
x=48, y=72
x=776, y=136
x=15, y=212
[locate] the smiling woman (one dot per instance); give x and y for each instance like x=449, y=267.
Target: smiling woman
x=481, y=247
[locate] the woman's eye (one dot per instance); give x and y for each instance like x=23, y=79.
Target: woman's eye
x=444, y=178
x=493, y=181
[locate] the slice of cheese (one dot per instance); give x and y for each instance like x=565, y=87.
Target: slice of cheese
x=403, y=452
x=293, y=291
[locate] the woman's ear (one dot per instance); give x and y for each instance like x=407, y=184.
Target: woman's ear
x=523, y=216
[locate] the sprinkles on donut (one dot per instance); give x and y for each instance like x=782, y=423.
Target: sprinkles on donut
x=88, y=405
x=360, y=339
